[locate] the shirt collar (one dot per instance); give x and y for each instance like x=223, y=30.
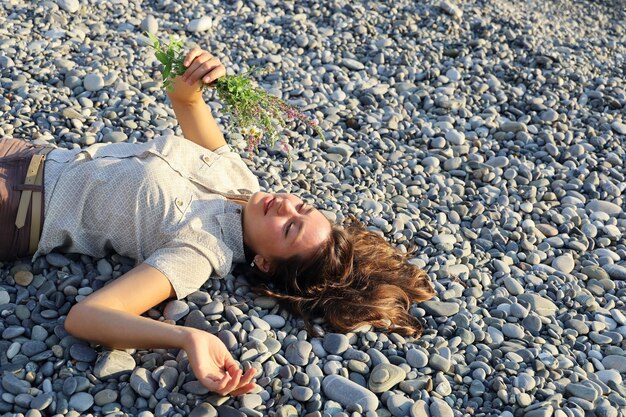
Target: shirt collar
x=232, y=231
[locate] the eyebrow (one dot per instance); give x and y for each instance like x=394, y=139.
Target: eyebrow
x=301, y=223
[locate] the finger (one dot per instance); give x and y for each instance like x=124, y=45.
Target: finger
x=215, y=73
x=215, y=384
x=244, y=389
x=247, y=377
x=245, y=381
x=196, y=63
x=195, y=52
x=203, y=70
x=234, y=382
x=227, y=387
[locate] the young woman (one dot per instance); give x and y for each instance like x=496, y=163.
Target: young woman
x=185, y=209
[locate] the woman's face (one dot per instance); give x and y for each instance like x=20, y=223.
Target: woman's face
x=279, y=226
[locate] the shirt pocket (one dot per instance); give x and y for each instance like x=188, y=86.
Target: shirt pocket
x=182, y=204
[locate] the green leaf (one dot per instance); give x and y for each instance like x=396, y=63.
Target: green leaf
x=154, y=40
x=167, y=70
x=161, y=57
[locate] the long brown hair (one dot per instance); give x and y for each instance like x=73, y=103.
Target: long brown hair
x=356, y=278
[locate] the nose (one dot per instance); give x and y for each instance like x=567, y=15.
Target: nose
x=286, y=207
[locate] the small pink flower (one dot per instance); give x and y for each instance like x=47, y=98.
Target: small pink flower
x=315, y=122
x=291, y=114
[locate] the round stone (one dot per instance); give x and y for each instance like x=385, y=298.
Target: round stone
x=81, y=401
x=455, y=137
x=200, y=25
x=93, y=82
x=5, y=298
x=275, y=321
x=70, y=6
x=113, y=364
x=336, y=343
x=82, y=353
x=616, y=272
x=346, y=392
x=416, y=358
x=380, y=376
x=564, y=263
x=106, y=396
x=149, y=24
x=513, y=286
x=175, y=310
x=115, y=137
x=23, y=278
x=298, y=353
x=302, y=394
x=384, y=376
x=439, y=408
x=512, y=331
x=33, y=347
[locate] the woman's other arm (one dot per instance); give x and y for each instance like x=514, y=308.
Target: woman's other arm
x=111, y=317
x=193, y=114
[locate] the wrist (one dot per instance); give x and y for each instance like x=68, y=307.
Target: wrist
x=182, y=93
x=188, y=334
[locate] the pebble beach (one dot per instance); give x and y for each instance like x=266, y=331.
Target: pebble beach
x=488, y=134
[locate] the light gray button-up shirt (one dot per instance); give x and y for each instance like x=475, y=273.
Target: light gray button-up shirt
x=163, y=202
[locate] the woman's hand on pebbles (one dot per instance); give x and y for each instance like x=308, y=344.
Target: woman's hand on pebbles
x=213, y=365
x=202, y=66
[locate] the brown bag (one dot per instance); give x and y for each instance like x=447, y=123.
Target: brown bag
x=21, y=197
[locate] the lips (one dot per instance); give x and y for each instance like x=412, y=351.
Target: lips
x=268, y=202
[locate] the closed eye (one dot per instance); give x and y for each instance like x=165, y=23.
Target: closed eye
x=301, y=208
x=288, y=228
x=304, y=207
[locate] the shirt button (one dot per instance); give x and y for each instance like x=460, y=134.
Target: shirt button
x=179, y=202
x=206, y=158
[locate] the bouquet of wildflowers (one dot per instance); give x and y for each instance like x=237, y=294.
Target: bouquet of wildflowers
x=259, y=116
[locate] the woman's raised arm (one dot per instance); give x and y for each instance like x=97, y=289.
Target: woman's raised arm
x=111, y=317
x=193, y=114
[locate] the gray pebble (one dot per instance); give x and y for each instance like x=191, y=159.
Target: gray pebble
x=384, y=376
x=93, y=82
x=70, y=6
x=298, y=353
x=346, y=392
x=113, y=364
x=33, y=347
x=416, y=358
x=336, y=343
x=439, y=308
x=439, y=408
x=150, y=24
x=175, y=310
x=275, y=321
x=617, y=272
x=203, y=410
x=538, y=304
x=200, y=25
x=56, y=259
x=302, y=394
x=81, y=401
x=82, y=353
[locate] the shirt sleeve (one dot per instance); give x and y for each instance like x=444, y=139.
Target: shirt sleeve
x=184, y=267
x=238, y=170
x=223, y=149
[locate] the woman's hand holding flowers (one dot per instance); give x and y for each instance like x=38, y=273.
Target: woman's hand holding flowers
x=201, y=67
x=259, y=116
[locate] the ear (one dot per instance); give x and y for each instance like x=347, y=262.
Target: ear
x=262, y=263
